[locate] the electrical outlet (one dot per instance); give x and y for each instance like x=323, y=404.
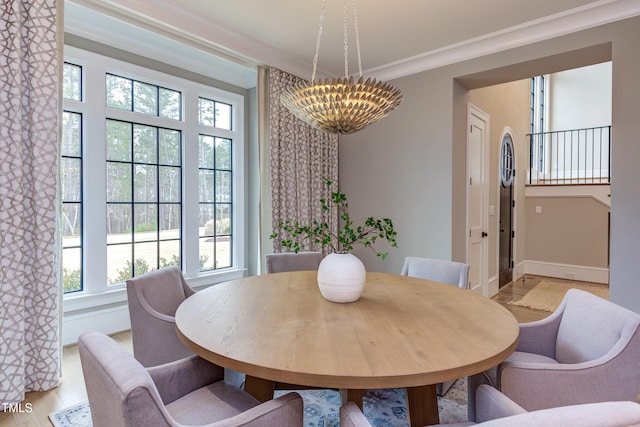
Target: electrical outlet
x=538, y=209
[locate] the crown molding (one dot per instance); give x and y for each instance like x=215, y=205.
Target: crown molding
x=173, y=23
x=577, y=19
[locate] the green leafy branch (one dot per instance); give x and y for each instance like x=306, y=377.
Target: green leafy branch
x=300, y=236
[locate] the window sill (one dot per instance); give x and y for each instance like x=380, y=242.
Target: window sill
x=78, y=303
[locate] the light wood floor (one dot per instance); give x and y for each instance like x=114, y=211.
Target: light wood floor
x=71, y=390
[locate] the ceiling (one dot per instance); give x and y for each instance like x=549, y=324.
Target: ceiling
x=392, y=34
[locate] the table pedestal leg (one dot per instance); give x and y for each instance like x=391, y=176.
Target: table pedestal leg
x=259, y=388
x=351, y=395
x=422, y=405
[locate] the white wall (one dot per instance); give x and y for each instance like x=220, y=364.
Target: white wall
x=580, y=98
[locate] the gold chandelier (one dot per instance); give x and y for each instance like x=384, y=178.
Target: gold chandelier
x=341, y=105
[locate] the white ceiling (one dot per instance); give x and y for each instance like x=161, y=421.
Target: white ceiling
x=393, y=34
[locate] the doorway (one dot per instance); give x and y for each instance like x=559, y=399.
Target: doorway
x=507, y=234
x=477, y=198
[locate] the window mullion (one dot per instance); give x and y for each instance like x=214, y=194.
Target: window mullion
x=191, y=207
x=95, y=251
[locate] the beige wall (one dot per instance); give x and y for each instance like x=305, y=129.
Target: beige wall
x=567, y=230
x=411, y=165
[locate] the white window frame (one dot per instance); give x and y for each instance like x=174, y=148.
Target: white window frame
x=96, y=291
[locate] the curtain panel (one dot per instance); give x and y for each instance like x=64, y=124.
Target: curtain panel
x=29, y=314
x=301, y=159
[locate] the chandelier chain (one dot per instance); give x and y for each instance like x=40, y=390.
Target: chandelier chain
x=357, y=30
x=346, y=39
x=341, y=105
x=315, y=58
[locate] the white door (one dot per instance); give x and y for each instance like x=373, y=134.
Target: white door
x=477, y=198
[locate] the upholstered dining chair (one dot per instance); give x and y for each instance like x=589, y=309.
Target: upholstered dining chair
x=154, y=298
x=497, y=410
x=587, y=350
x=291, y=261
x=449, y=272
x=187, y=392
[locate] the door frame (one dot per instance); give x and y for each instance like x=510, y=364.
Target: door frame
x=474, y=111
x=514, y=196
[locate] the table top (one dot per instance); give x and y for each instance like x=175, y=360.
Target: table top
x=402, y=332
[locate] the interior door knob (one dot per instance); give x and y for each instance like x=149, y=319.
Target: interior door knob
x=484, y=234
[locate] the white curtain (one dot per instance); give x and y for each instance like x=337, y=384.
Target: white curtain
x=301, y=158
x=29, y=321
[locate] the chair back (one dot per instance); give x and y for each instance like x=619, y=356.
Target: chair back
x=153, y=300
x=591, y=327
x=290, y=261
x=449, y=272
x=121, y=393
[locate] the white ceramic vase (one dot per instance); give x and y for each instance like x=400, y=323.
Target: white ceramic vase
x=341, y=277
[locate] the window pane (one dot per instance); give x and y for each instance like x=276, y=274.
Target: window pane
x=223, y=252
x=118, y=223
x=71, y=176
x=206, y=185
x=169, y=184
x=145, y=98
x=72, y=82
x=223, y=153
x=118, y=139
x=207, y=158
x=119, y=265
x=71, y=136
x=71, y=269
x=71, y=224
x=118, y=182
x=207, y=253
x=146, y=256
x=170, y=104
x=206, y=108
x=170, y=253
x=207, y=219
x=223, y=116
x=169, y=147
x=146, y=222
x=223, y=186
x=146, y=183
x=223, y=219
x=119, y=92
x=170, y=220
x=144, y=144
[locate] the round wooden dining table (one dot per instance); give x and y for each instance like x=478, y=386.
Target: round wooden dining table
x=403, y=332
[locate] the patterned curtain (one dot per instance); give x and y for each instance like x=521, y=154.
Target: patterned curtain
x=301, y=158
x=29, y=321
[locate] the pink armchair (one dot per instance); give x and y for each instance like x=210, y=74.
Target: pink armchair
x=187, y=392
x=154, y=298
x=587, y=351
x=497, y=410
x=449, y=272
x=290, y=261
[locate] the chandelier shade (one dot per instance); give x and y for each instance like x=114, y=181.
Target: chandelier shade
x=341, y=105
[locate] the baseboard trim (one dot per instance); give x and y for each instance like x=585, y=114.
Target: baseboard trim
x=566, y=271
x=493, y=286
x=108, y=320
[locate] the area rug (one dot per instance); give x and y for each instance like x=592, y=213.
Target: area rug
x=383, y=408
x=547, y=295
